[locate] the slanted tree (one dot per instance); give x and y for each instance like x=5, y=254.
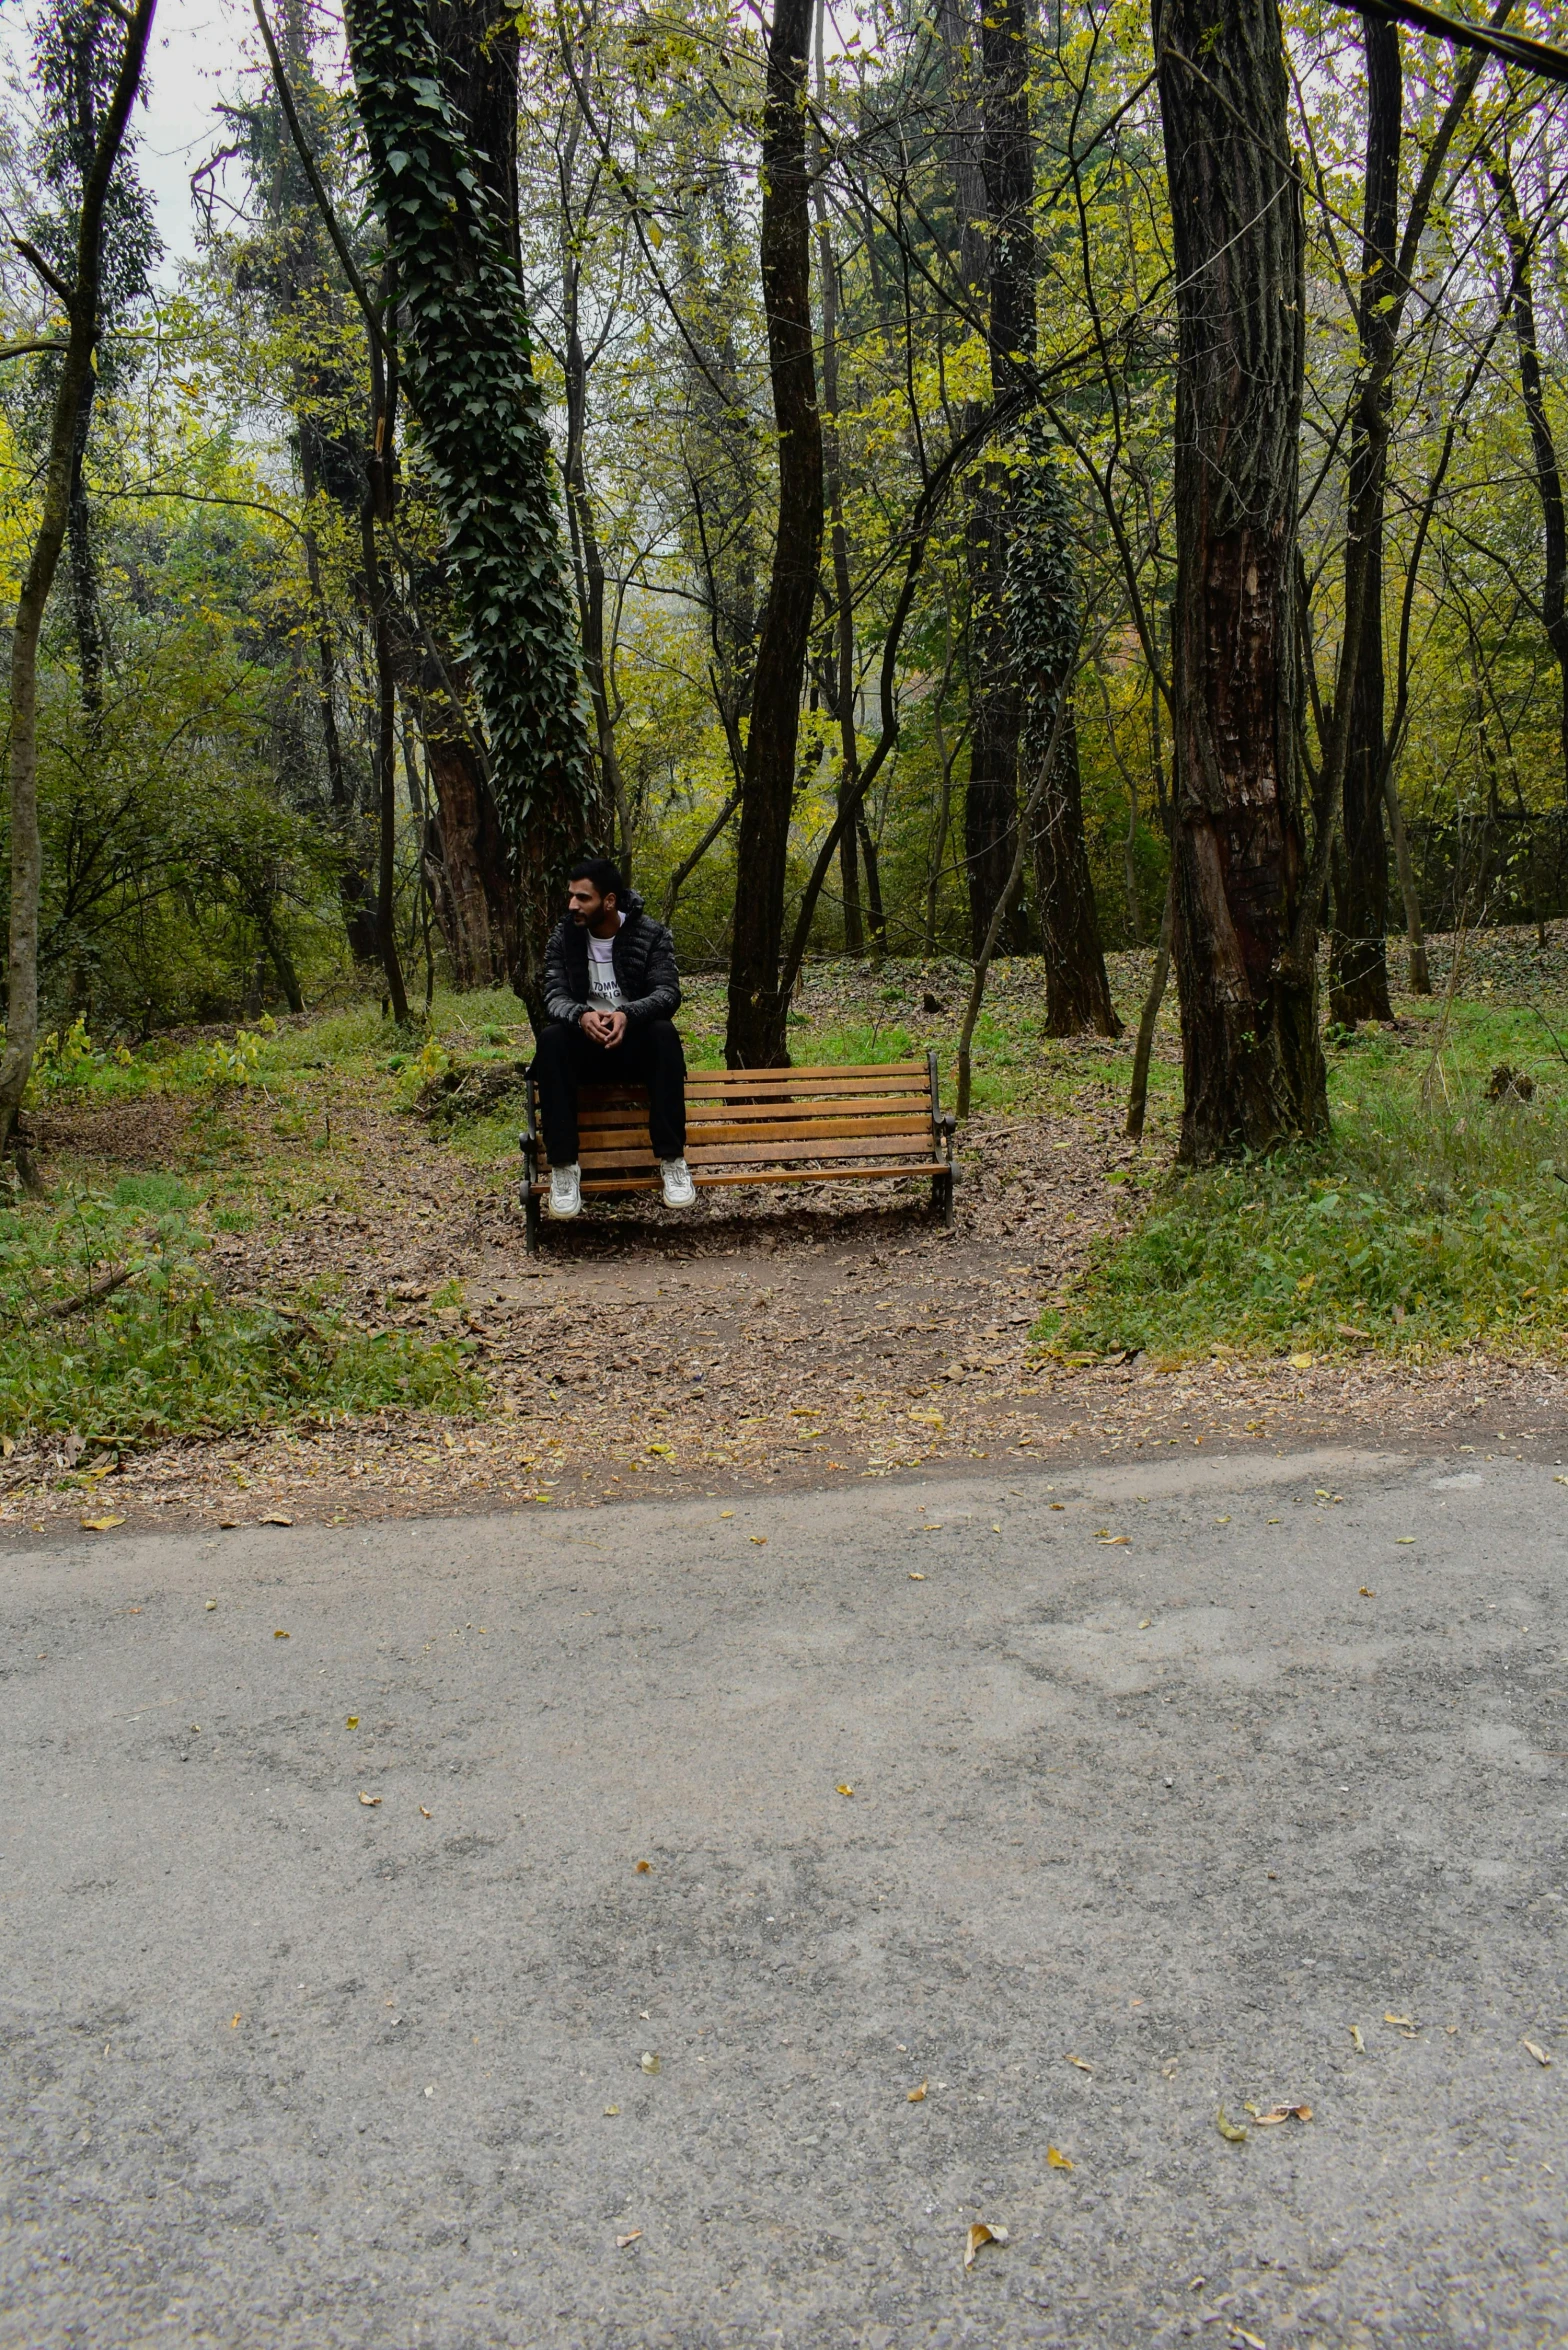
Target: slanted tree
x=755, y=1037
x=471, y=384
x=79, y=294
x=1252, y=1062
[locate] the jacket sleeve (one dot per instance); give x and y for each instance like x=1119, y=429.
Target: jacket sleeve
x=559, y=1001
x=662, y=999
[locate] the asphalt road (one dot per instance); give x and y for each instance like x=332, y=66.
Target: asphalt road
x=1139, y=1829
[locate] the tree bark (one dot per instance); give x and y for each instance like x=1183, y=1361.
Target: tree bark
x=1252, y=1063
x=840, y=665
x=21, y=1035
x=481, y=416
x=1042, y=619
x=1543, y=446
x=1358, y=961
x=756, y=1036
x=996, y=700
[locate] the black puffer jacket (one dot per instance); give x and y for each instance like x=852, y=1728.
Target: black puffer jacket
x=644, y=965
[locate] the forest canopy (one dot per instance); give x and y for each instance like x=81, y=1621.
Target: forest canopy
x=754, y=446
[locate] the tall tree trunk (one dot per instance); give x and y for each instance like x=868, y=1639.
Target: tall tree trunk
x=1042, y=620
x=482, y=427
x=1252, y=1062
x=354, y=897
x=841, y=663
x=81, y=301
x=996, y=700
x=588, y=563
x=376, y=521
x=1358, y=961
x=1543, y=447
x=756, y=1036
x=86, y=601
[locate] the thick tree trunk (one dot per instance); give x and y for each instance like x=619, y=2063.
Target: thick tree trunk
x=1543, y=447
x=1253, y=1064
x=756, y=1035
x=1358, y=961
x=1077, y=987
x=482, y=428
x=840, y=664
x=21, y=1031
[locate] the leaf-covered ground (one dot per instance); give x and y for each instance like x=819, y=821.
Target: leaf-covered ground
x=787, y=1336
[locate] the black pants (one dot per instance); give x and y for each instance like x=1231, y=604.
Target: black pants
x=649, y=1054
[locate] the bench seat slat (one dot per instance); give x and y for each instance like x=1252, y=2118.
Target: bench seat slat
x=708, y=1116
x=759, y=1175
x=828, y=1149
x=707, y=1137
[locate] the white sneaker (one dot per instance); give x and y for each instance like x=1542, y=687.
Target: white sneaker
x=566, y=1191
x=679, y=1189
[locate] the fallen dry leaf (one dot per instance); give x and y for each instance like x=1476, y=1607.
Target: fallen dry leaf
x=981, y=2232
x=369, y=1801
x=1356, y=2040
x=101, y=1525
x=632, y=2236
x=211, y=1604
x=917, y=2096
x=1079, y=2062
x=351, y=1721
x=1147, y=1625
x=280, y=1636
x=914, y=1578
x=643, y=1866
x=1405, y=2022
x=1301, y=1362
x=1056, y=2160
x=1367, y=1594
x=759, y=1540
x=233, y=2022
x=275, y=1518
x=648, y=2061
x=843, y=1788
x=1228, y=2130
x=1539, y=2054
x=425, y=1812
x=1283, y=2113
x=610, y=2112
x=1109, y=1541
x=1240, y=2334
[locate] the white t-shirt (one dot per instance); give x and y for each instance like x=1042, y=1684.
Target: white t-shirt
x=604, y=989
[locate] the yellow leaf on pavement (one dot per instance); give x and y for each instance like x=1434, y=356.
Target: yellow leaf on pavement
x=917, y=2096
x=981, y=2232
x=101, y=1525
x=1539, y=2054
x=369, y=1801
x=1056, y=2159
x=1229, y=2131
x=843, y=1788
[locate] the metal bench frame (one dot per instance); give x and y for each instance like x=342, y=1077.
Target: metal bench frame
x=822, y=1124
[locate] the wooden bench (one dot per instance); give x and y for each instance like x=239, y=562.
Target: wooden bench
x=831, y=1125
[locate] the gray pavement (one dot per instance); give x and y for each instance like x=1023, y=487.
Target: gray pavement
x=1139, y=1829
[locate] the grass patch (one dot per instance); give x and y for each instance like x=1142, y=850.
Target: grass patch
x=163, y=1354
x=1434, y=1218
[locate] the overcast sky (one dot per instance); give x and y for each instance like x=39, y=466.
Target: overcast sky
x=195, y=57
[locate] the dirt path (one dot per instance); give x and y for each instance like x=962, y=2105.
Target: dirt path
x=773, y=1340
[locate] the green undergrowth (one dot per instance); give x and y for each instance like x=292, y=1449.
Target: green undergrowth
x=1434, y=1218
x=164, y=1353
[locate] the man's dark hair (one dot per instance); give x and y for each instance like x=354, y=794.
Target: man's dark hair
x=605, y=876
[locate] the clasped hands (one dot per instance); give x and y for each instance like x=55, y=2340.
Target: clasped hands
x=606, y=1028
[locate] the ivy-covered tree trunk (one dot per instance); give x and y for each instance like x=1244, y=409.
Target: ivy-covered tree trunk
x=1358, y=960
x=995, y=694
x=482, y=435
x=1043, y=628
x=756, y=1034
x=1252, y=1062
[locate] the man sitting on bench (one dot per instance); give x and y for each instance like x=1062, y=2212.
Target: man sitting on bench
x=611, y=990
